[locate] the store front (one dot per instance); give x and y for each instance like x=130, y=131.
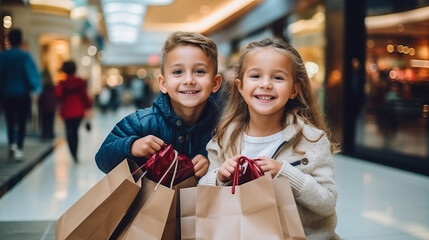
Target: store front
x=394, y=118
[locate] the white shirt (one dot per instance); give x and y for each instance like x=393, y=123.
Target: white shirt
x=254, y=147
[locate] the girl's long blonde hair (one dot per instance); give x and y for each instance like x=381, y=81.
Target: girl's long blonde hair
x=303, y=106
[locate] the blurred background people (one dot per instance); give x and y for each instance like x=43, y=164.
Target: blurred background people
x=104, y=99
x=138, y=91
x=47, y=103
x=75, y=104
x=20, y=79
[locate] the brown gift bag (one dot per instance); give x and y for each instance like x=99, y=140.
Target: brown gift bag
x=289, y=216
x=154, y=213
x=98, y=212
x=215, y=213
x=172, y=228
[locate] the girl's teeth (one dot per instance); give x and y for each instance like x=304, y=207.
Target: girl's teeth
x=264, y=98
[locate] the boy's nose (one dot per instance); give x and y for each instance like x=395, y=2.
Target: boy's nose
x=189, y=79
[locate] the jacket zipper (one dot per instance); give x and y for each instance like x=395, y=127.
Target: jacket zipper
x=276, y=153
x=278, y=149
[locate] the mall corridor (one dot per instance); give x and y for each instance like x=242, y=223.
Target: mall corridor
x=375, y=202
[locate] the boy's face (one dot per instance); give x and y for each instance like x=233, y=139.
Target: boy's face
x=188, y=78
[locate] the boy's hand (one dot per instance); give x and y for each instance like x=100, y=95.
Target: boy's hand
x=270, y=165
x=226, y=170
x=146, y=146
x=201, y=165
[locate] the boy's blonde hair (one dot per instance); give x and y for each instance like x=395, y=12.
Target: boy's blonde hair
x=178, y=38
x=304, y=105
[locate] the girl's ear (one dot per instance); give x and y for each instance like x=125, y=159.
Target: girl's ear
x=238, y=85
x=217, y=82
x=162, y=84
x=295, y=91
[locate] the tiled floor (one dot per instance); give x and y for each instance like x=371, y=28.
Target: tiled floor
x=375, y=202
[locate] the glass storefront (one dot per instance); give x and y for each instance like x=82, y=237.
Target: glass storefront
x=395, y=117
x=305, y=30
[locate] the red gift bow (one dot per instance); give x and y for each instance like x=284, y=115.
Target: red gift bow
x=159, y=163
x=252, y=172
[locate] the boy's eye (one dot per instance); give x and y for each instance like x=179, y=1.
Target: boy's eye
x=177, y=72
x=200, y=71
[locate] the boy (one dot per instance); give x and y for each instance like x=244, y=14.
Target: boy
x=183, y=114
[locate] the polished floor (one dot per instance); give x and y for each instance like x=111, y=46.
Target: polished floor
x=375, y=202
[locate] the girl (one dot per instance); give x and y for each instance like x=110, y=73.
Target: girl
x=272, y=115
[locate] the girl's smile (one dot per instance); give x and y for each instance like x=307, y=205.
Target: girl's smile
x=267, y=82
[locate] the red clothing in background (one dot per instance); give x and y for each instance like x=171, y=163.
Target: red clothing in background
x=73, y=96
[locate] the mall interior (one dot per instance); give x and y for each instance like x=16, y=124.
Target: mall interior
x=368, y=63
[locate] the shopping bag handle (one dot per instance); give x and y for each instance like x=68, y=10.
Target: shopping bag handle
x=174, y=162
x=252, y=166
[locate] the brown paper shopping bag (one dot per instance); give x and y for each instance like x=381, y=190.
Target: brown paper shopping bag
x=172, y=228
x=98, y=212
x=289, y=215
x=215, y=213
x=148, y=214
x=153, y=214
x=288, y=211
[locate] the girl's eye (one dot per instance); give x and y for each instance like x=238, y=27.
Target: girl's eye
x=278, y=78
x=177, y=72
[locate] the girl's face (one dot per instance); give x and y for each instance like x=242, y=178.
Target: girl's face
x=267, y=82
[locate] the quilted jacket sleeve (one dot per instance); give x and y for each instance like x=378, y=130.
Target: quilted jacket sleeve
x=117, y=145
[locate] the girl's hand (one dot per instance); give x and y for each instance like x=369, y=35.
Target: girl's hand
x=146, y=146
x=270, y=165
x=201, y=165
x=226, y=170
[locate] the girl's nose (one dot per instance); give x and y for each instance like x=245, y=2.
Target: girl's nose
x=266, y=83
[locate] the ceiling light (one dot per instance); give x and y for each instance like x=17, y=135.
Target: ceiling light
x=123, y=7
x=131, y=19
x=66, y=4
x=157, y=2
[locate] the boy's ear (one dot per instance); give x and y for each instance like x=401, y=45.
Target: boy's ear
x=217, y=82
x=161, y=83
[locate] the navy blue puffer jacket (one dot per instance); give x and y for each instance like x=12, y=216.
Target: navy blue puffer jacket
x=158, y=120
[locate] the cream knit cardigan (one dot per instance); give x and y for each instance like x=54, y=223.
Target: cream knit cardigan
x=312, y=180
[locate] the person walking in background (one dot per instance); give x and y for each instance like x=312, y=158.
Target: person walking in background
x=75, y=105
x=183, y=114
x=47, y=106
x=273, y=116
x=138, y=91
x=19, y=80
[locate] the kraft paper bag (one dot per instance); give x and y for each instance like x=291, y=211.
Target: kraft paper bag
x=148, y=215
x=289, y=215
x=172, y=228
x=154, y=214
x=98, y=212
x=215, y=213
